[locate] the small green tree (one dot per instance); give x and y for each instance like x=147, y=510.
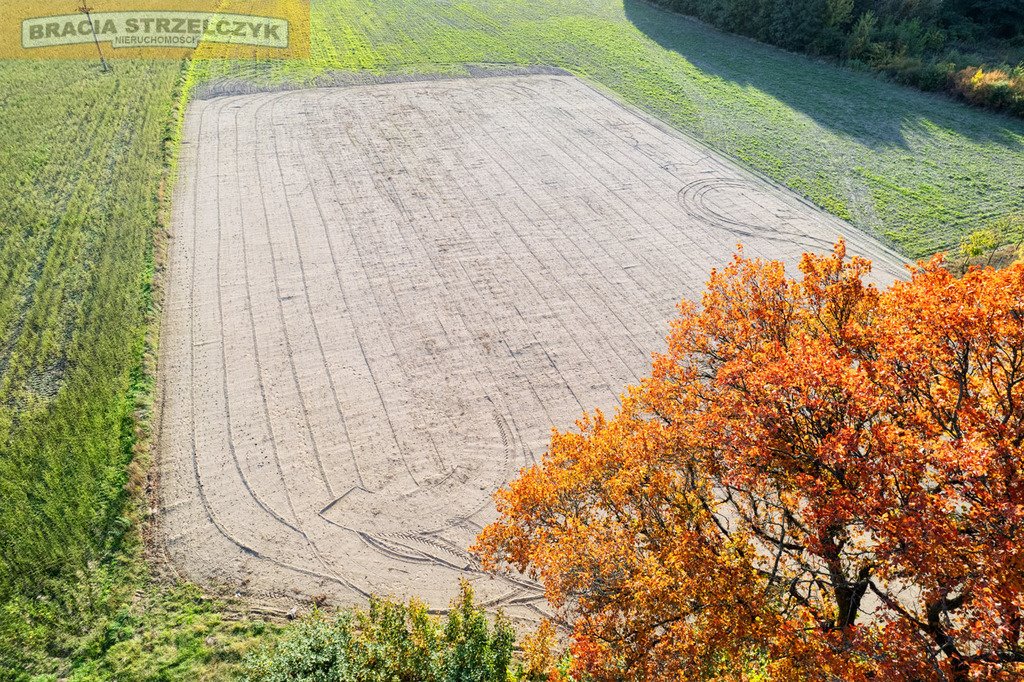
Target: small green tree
x=474, y=651
x=998, y=244
x=859, y=44
x=838, y=13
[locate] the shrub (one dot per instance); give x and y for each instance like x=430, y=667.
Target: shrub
x=996, y=88
x=540, y=658
x=391, y=642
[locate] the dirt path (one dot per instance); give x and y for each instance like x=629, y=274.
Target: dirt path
x=383, y=297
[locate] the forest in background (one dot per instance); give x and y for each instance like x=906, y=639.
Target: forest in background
x=971, y=49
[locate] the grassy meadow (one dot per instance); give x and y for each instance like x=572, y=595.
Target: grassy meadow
x=83, y=161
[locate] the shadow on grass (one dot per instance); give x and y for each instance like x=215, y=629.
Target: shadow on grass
x=864, y=106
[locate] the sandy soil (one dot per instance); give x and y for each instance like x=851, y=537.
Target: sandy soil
x=382, y=298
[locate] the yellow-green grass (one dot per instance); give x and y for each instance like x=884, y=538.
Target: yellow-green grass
x=81, y=158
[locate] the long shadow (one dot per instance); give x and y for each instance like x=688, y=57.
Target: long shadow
x=865, y=106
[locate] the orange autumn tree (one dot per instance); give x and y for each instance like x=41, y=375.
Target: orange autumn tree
x=820, y=480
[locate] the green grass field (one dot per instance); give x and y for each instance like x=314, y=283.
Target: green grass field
x=82, y=158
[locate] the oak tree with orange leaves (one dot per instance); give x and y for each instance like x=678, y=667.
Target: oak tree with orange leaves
x=820, y=480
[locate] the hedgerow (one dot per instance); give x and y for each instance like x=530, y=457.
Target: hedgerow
x=392, y=642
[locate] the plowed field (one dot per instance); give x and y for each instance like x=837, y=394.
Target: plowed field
x=383, y=297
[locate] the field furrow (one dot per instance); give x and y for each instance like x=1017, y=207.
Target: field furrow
x=383, y=297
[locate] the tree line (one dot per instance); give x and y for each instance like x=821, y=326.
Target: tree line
x=971, y=49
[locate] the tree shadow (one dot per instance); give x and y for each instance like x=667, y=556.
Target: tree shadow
x=864, y=106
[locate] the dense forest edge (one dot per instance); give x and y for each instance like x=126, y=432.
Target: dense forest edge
x=972, y=50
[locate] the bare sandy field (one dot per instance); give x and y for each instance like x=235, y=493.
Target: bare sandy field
x=382, y=298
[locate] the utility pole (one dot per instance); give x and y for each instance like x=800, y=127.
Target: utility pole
x=86, y=10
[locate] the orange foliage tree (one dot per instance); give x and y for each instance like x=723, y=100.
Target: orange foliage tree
x=819, y=480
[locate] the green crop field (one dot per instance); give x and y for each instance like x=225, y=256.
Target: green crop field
x=80, y=166
x=83, y=156
x=81, y=159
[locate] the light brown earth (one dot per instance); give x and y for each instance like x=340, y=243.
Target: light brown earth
x=382, y=298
